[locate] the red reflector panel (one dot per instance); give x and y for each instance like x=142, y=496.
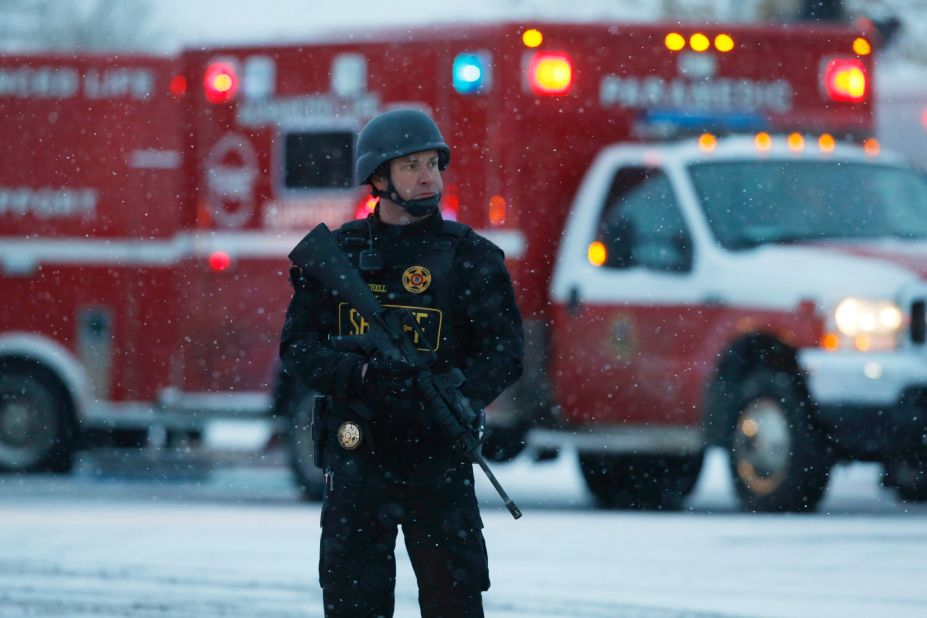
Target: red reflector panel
x=845, y=79
x=220, y=82
x=550, y=73
x=178, y=85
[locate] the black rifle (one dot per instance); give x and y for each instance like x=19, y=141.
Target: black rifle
x=319, y=256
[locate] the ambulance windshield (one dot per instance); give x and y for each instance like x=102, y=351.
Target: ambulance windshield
x=750, y=203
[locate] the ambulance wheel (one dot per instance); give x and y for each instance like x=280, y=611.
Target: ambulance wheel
x=778, y=461
x=37, y=424
x=641, y=481
x=909, y=478
x=307, y=476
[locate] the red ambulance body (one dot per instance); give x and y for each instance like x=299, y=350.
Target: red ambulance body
x=147, y=206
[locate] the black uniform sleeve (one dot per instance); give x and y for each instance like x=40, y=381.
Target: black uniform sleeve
x=495, y=328
x=304, y=349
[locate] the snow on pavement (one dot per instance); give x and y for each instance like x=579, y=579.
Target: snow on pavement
x=240, y=544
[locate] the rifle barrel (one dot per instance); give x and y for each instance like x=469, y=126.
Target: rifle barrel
x=509, y=503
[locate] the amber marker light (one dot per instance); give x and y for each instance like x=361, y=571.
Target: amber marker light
x=826, y=142
x=830, y=342
x=532, y=37
x=699, y=42
x=596, y=253
x=724, y=43
x=763, y=141
x=796, y=142
x=674, y=41
x=871, y=147
x=861, y=46
x=707, y=142
x=863, y=343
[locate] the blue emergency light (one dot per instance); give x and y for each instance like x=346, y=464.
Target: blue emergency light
x=472, y=74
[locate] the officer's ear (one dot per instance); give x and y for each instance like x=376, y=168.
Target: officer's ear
x=379, y=182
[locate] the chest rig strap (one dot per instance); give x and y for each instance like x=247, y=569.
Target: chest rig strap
x=354, y=234
x=454, y=231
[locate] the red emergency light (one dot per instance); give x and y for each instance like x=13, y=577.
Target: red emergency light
x=365, y=207
x=220, y=82
x=450, y=202
x=550, y=73
x=844, y=79
x=219, y=261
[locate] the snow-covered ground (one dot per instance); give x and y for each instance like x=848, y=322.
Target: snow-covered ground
x=240, y=544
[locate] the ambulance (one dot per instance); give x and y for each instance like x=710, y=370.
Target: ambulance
x=707, y=245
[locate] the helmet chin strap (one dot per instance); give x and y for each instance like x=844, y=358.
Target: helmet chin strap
x=416, y=208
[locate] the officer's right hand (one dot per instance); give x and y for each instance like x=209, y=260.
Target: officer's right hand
x=382, y=377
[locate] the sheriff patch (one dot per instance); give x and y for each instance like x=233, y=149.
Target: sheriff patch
x=416, y=279
x=352, y=323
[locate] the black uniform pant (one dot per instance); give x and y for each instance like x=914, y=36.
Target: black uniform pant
x=361, y=513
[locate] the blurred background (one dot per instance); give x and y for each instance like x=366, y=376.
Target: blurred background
x=166, y=26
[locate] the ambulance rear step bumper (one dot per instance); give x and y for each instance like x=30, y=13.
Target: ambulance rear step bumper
x=624, y=439
x=177, y=410
x=174, y=463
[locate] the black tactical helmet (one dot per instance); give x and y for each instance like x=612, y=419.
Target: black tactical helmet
x=397, y=133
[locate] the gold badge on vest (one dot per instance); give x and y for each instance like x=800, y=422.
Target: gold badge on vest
x=416, y=279
x=349, y=435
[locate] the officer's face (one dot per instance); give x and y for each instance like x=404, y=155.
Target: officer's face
x=416, y=176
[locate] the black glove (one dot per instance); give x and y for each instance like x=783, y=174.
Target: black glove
x=385, y=377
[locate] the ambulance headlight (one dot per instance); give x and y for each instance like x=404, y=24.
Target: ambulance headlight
x=865, y=324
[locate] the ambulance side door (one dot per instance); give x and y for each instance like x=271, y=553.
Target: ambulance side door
x=628, y=291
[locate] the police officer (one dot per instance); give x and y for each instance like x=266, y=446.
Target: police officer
x=386, y=463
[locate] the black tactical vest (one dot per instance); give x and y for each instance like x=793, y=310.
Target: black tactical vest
x=419, y=276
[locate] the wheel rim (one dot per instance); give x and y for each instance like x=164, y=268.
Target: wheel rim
x=762, y=443
x=29, y=421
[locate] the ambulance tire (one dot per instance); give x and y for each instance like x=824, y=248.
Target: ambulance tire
x=909, y=478
x=307, y=476
x=778, y=461
x=38, y=429
x=646, y=482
